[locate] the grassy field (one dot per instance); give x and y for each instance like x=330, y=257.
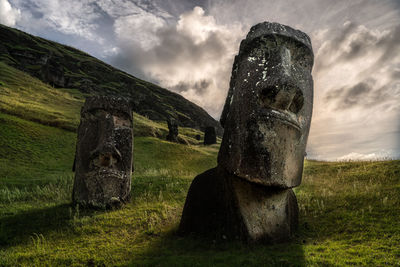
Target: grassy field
x=349, y=215
x=349, y=211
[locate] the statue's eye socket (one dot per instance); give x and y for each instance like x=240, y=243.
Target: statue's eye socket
x=268, y=94
x=297, y=102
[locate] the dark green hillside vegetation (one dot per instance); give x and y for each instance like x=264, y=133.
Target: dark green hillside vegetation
x=62, y=66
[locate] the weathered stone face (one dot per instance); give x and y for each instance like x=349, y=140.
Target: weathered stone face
x=103, y=159
x=210, y=137
x=268, y=110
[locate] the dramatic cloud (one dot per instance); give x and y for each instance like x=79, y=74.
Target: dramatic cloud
x=8, y=14
x=192, y=56
x=357, y=92
x=73, y=17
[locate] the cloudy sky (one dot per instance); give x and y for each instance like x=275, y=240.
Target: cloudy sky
x=188, y=47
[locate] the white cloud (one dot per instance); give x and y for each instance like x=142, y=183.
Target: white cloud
x=193, y=56
x=356, y=91
x=73, y=17
x=8, y=14
x=139, y=29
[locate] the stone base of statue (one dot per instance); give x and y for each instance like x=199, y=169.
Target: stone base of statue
x=224, y=206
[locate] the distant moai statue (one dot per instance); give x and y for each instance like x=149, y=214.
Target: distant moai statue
x=266, y=120
x=210, y=137
x=173, y=130
x=103, y=158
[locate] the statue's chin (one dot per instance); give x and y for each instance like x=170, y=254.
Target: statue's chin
x=106, y=187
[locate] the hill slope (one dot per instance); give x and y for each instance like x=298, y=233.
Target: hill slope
x=66, y=67
x=348, y=213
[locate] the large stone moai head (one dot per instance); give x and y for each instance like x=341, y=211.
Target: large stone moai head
x=267, y=114
x=103, y=159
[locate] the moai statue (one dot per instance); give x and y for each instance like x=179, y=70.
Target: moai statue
x=103, y=158
x=266, y=120
x=210, y=137
x=173, y=130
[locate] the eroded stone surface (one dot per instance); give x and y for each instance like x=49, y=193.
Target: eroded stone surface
x=223, y=206
x=103, y=159
x=210, y=137
x=267, y=113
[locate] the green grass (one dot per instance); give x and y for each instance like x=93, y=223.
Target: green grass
x=31, y=153
x=28, y=98
x=349, y=212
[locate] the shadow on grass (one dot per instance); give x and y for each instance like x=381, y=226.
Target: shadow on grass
x=173, y=250
x=25, y=226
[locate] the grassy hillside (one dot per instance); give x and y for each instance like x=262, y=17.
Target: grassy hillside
x=62, y=66
x=349, y=212
x=30, y=150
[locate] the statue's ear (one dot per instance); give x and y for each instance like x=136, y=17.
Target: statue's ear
x=225, y=111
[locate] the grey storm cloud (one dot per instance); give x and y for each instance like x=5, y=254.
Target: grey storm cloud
x=359, y=43
x=199, y=86
x=375, y=81
x=349, y=97
x=361, y=95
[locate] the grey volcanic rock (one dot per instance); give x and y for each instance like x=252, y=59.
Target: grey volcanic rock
x=268, y=110
x=173, y=130
x=221, y=205
x=103, y=158
x=266, y=120
x=210, y=137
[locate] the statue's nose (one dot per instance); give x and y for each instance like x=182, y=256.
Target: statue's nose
x=106, y=154
x=281, y=91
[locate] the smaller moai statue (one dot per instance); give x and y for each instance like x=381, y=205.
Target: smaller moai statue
x=173, y=130
x=266, y=120
x=210, y=137
x=104, y=157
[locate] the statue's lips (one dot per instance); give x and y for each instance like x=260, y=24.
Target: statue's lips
x=283, y=117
